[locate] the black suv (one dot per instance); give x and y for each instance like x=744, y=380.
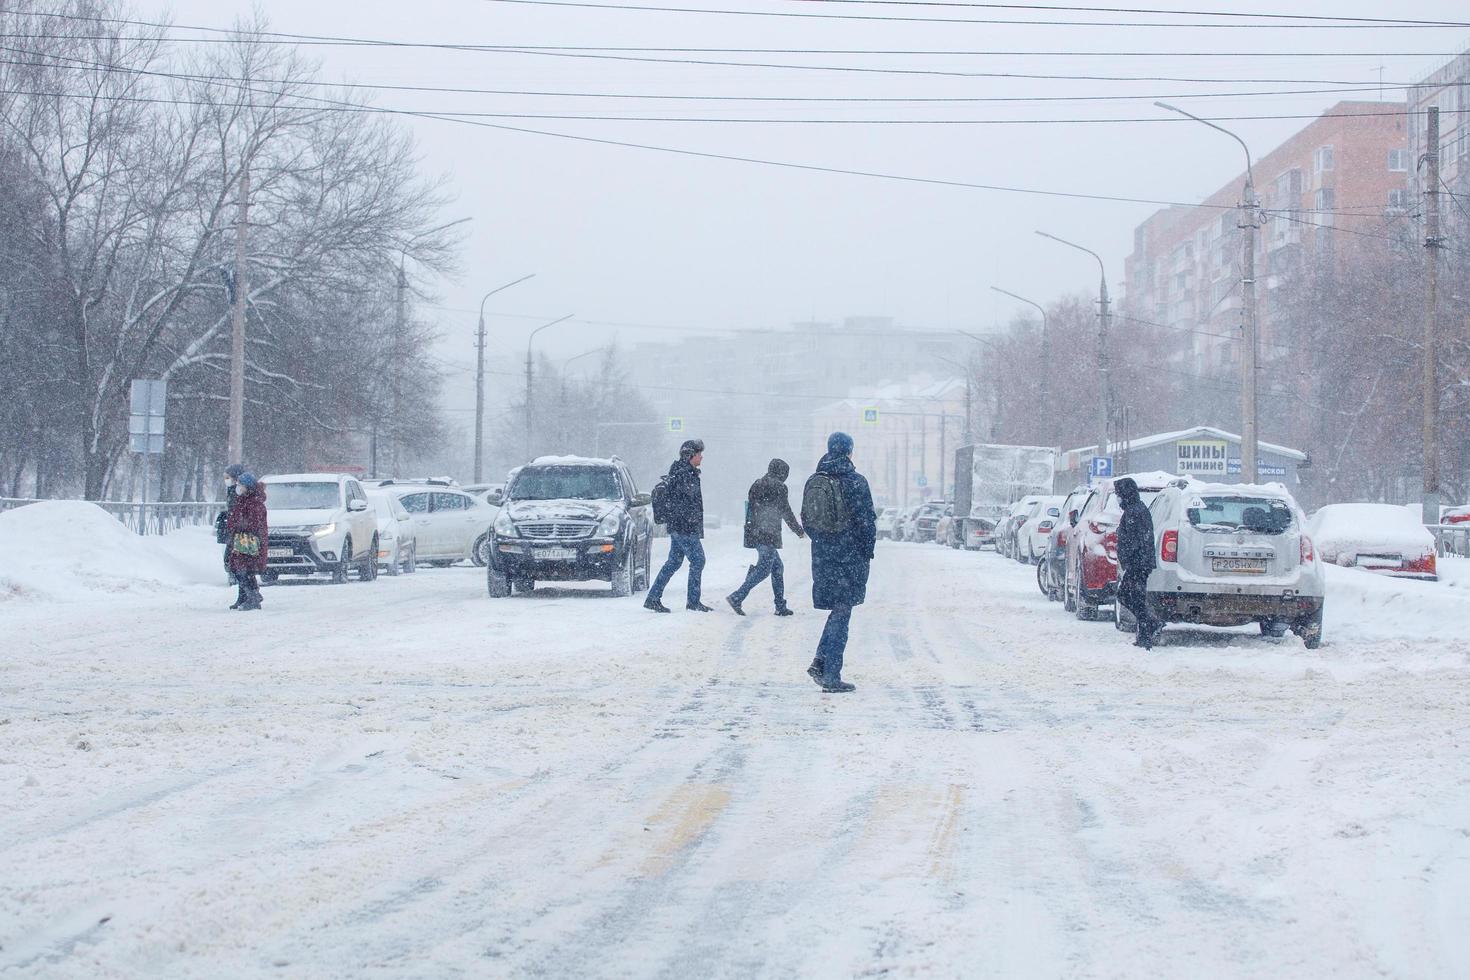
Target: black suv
x=570, y=519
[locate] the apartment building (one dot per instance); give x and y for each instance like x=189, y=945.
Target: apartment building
x=1449, y=89
x=1346, y=171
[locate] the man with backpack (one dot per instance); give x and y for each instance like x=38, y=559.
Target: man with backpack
x=766, y=507
x=678, y=503
x=837, y=511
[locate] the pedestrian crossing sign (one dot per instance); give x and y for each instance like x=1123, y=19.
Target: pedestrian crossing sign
x=676, y=425
x=870, y=416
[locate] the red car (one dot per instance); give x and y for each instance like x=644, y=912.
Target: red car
x=1092, y=545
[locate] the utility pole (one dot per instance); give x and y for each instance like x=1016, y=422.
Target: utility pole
x=943, y=425
x=1250, y=340
x=236, y=448
x=530, y=413
x=480, y=396
x=1432, y=245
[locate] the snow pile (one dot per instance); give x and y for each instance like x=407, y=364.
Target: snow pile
x=1385, y=610
x=70, y=550
x=1344, y=530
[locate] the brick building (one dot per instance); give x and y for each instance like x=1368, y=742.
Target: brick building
x=1345, y=169
x=1447, y=89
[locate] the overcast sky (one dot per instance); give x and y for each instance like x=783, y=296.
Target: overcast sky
x=632, y=236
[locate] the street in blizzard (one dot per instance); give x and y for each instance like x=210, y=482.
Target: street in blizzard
x=805, y=604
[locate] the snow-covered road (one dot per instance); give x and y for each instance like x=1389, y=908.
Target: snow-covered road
x=406, y=778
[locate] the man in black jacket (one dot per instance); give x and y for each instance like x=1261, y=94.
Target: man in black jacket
x=766, y=507
x=684, y=512
x=1136, y=559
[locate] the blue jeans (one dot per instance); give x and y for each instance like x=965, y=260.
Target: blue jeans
x=680, y=547
x=767, y=563
x=834, y=641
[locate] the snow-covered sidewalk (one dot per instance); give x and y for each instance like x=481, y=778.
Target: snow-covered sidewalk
x=405, y=778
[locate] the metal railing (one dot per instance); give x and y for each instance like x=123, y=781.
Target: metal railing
x=151, y=518
x=1451, y=539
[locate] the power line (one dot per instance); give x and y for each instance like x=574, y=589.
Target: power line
x=992, y=21
x=1394, y=21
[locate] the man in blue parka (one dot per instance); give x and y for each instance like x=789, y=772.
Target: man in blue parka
x=843, y=533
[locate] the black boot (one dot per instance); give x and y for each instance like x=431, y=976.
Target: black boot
x=840, y=687
x=784, y=610
x=697, y=607
x=735, y=605
x=815, y=670
x=655, y=605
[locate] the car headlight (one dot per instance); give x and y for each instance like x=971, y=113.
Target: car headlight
x=608, y=526
x=504, y=526
x=324, y=530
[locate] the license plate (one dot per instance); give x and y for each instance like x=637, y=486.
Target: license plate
x=1252, y=566
x=556, y=554
x=279, y=553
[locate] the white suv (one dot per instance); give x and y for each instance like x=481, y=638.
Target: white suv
x=1231, y=554
x=320, y=523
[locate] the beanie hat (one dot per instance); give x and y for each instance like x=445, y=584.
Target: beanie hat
x=234, y=470
x=839, y=444
x=691, y=448
x=247, y=480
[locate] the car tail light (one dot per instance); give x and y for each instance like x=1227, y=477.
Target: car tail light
x=1169, y=546
x=1424, y=565
x=1110, y=544
x=1098, y=527
x=1307, y=554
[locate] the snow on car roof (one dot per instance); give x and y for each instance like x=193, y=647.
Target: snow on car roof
x=570, y=461
x=1369, y=525
x=1155, y=480
x=306, y=478
x=1236, y=489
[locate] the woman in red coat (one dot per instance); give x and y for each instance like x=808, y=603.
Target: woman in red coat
x=248, y=535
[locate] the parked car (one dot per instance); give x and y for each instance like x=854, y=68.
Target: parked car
x=1383, y=538
x=1008, y=531
x=1031, y=539
x=1092, y=544
x=397, y=541
x=320, y=523
x=926, y=520
x=449, y=525
x=887, y=517
x=1230, y=555
x=903, y=524
x=947, y=531
x=571, y=519
x=1051, y=571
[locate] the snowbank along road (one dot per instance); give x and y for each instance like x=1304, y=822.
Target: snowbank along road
x=405, y=778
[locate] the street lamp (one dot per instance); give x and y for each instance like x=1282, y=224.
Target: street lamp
x=529, y=339
x=995, y=351
x=1102, y=338
x=480, y=377
x=1045, y=343
x=1250, y=209
x=399, y=325
x=564, y=366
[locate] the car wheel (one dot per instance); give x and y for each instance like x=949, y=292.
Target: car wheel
x=480, y=550
x=524, y=586
x=1069, y=602
x=1273, y=627
x=1123, y=619
x=1082, y=609
x=1041, y=580
x=645, y=576
x=496, y=582
x=367, y=570
x=1309, y=628
x=394, y=560
x=412, y=565
x=622, y=576
x=344, y=563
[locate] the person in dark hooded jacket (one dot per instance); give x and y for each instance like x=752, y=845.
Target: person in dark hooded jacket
x=232, y=490
x=840, y=561
x=767, y=505
x=249, y=533
x=1136, y=559
x=684, y=513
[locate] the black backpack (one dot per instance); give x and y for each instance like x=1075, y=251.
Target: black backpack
x=823, y=506
x=660, y=500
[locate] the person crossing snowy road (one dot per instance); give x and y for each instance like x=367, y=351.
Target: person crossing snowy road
x=679, y=504
x=837, y=511
x=249, y=533
x=767, y=506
